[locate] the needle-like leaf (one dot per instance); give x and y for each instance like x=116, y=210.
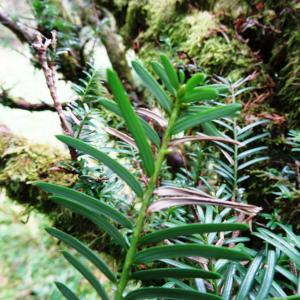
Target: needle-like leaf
x=196, y=80
x=209, y=114
x=66, y=292
x=81, y=198
x=170, y=70
x=132, y=121
x=149, y=131
x=159, y=70
x=189, y=229
x=168, y=293
x=280, y=244
x=83, y=250
x=174, y=273
x=268, y=276
x=87, y=274
x=249, y=278
x=105, y=159
x=228, y=282
x=93, y=216
x=153, y=86
x=186, y=250
x=201, y=93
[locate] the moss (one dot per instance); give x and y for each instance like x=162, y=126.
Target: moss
x=190, y=32
x=263, y=190
x=228, y=59
x=21, y=163
x=160, y=14
x=233, y=8
x=210, y=45
x=289, y=79
x=288, y=206
x=130, y=29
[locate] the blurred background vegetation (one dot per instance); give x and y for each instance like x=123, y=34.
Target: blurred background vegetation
x=231, y=39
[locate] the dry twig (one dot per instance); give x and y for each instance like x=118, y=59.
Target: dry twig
x=41, y=46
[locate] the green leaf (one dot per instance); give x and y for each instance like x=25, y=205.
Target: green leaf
x=89, y=201
x=291, y=235
x=277, y=291
x=132, y=121
x=294, y=297
x=149, y=131
x=268, y=276
x=280, y=244
x=93, y=216
x=105, y=159
x=228, y=282
x=186, y=250
x=159, y=70
x=252, y=162
x=287, y=274
x=181, y=76
x=194, y=81
x=221, y=88
x=174, y=273
x=87, y=274
x=170, y=70
x=111, y=106
x=201, y=93
x=250, y=152
x=209, y=114
x=152, y=85
x=66, y=292
x=177, y=294
x=83, y=250
x=209, y=128
x=249, y=278
x=185, y=230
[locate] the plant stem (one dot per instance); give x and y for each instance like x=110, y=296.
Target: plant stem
x=235, y=153
x=82, y=123
x=145, y=202
x=235, y=191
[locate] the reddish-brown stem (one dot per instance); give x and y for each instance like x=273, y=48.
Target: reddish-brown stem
x=49, y=70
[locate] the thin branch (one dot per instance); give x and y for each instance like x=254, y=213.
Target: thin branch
x=24, y=33
x=49, y=70
x=20, y=103
x=49, y=73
